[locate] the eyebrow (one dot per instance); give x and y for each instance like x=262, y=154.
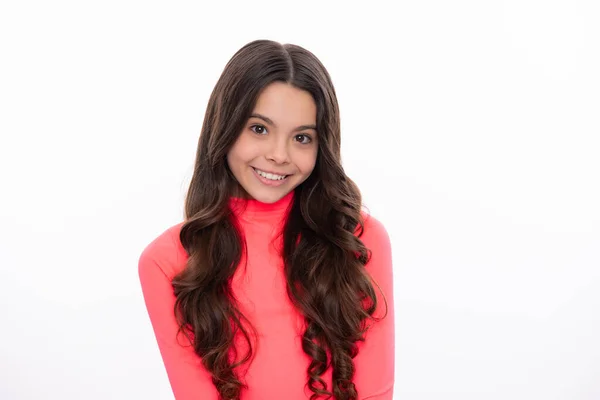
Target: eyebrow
x=270, y=122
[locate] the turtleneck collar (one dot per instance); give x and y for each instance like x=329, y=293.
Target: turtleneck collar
x=252, y=210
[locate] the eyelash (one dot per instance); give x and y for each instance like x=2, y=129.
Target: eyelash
x=263, y=127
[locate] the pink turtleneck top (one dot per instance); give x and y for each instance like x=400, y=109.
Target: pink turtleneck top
x=279, y=369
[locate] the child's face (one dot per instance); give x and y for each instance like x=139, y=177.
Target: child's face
x=286, y=145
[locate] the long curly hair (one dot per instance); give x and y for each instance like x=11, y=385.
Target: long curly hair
x=323, y=255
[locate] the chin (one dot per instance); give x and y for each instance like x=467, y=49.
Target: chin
x=268, y=198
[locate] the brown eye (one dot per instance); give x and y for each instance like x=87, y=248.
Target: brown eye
x=262, y=129
x=303, y=139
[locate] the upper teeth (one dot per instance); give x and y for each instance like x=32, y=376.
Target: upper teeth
x=270, y=176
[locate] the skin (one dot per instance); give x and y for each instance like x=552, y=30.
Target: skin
x=285, y=145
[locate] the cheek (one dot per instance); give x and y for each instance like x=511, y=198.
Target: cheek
x=239, y=153
x=308, y=162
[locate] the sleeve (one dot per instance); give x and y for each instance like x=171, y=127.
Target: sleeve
x=188, y=378
x=374, y=373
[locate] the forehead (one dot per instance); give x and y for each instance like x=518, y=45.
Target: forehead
x=286, y=104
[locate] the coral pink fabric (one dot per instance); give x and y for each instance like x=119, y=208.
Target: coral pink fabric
x=278, y=370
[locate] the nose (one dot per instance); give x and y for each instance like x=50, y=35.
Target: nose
x=278, y=151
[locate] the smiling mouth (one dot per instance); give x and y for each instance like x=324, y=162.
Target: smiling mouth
x=270, y=176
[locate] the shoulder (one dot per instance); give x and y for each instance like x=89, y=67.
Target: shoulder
x=165, y=252
x=377, y=240
x=373, y=229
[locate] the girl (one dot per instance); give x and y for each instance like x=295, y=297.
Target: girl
x=276, y=285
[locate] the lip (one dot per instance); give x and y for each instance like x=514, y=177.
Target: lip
x=269, y=182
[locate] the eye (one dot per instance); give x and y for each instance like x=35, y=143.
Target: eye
x=304, y=139
x=260, y=127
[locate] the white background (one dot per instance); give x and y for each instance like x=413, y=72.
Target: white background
x=471, y=127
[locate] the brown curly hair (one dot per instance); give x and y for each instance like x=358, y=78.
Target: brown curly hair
x=323, y=255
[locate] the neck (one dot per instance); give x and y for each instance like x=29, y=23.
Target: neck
x=253, y=210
